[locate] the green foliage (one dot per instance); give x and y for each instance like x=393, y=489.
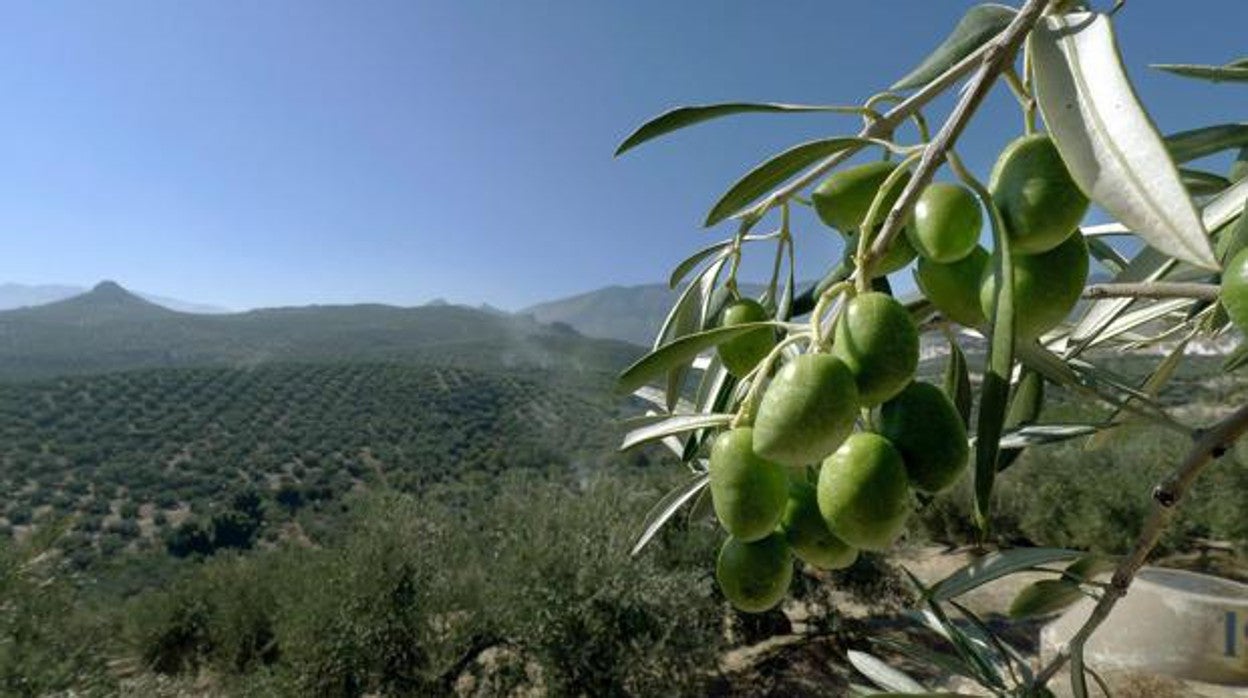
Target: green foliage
x=418, y=588
x=51, y=639
x=248, y=450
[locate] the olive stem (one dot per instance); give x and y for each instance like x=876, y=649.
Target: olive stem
x=880, y=127
x=1154, y=290
x=863, y=275
x=816, y=317
x=1025, y=100
x=745, y=415
x=995, y=59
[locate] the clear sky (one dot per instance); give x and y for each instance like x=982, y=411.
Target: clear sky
x=287, y=152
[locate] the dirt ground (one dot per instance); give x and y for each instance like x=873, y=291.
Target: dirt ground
x=801, y=657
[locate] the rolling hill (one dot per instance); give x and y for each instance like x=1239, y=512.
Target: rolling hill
x=110, y=328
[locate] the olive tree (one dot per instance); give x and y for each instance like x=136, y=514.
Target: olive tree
x=798, y=412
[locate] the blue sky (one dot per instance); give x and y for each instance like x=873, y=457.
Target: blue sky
x=287, y=152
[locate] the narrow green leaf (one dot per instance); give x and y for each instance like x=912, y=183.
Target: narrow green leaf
x=666, y=507
x=1197, y=143
x=1224, y=208
x=980, y=24
x=994, y=566
x=1025, y=406
x=1239, y=168
x=958, y=382
x=1044, y=597
x=678, y=352
x=693, y=260
x=1147, y=265
x=1027, y=401
x=1232, y=239
x=1089, y=567
x=1237, y=359
x=678, y=424
x=1213, y=73
x=1107, y=140
x=1201, y=183
x=1037, y=434
x=994, y=389
x=776, y=170
x=883, y=675
x=681, y=117
x=947, y=662
x=1104, y=253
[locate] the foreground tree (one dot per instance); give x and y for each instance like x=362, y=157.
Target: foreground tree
x=806, y=425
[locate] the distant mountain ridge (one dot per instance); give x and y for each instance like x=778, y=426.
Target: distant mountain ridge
x=626, y=313
x=14, y=296
x=110, y=328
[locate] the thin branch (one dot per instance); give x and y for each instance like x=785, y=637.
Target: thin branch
x=882, y=126
x=1154, y=290
x=1210, y=445
x=998, y=56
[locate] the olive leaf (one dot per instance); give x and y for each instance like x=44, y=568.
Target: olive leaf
x=681, y=117
x=949, y=663
x=958, y=382
x=1036, y=434
x=980, y=24
x=1104, y=253
x=883, y=675
x=1088, y=567
x=994, y=388
x=667, y=507
x=1231, y=72
x=1044, y=597
x=1148, y=265
x=994, y=566
x=1199, y=142
x=677, y=424
x=1201, y=183
x=718, y=251
x=1107, y=140
x=678, y=352
x=779, y=168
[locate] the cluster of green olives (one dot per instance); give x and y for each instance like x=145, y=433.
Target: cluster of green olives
x=802, y=481
x=1040, y=205
x=806, y=479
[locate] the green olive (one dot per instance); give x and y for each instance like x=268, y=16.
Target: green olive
x=878, y=341
x=946, y=223
x=1039, y=202
x=924, y=426
x=742, y=353
x=843, y=199
x=863, y=494
x=748, y=492
x=808, y=534
x=755, y=576
x=807, y=411
x=1046, y=287
x=1234, y=293
x=954, y=288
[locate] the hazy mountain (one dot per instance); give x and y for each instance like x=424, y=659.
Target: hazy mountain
x=627, y=313
x=23, y=295
x=110, y=328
